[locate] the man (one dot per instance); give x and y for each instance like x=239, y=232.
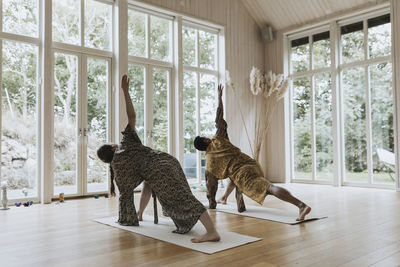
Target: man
x=224, y=160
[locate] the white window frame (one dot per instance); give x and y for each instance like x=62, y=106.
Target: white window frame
x=149, y=64
x=177, y=68
x=34, y=41
x=308, y=74
x=82, y=52
x=199, y=71
x=337, y=103
x=119, y=66
x=365, y=64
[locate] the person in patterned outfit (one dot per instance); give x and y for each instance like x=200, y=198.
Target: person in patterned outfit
x=132, y=163
x=224, y=160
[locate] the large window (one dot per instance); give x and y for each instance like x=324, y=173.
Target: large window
x=151, y=62
x=312, y=107
x=200, y=80
x=366, y=76
x=150, y=70
x=52, y=123
x=82, y=84
x=365, y=103
x=19, y=97
x=149, y=36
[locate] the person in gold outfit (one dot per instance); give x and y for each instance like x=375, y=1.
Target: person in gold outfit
x=224, y=160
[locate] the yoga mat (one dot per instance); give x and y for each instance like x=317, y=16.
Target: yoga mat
x=276, y=215
x=163, y=231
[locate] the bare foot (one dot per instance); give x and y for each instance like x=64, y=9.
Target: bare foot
x=140, y=216
x=222, y=200
x=303, y=211
x=208, y=237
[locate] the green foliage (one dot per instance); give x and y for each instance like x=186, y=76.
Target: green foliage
x=136, y=76
x=66, y=21
x=136, y=33
x=189, y=111
x=20, y=17
x=160, y=109
x=159, y=38
x=98, y=22
x=188, y=45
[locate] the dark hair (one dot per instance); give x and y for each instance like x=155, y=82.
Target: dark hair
x=112, y=189
x=106, y=153
x=200, y=144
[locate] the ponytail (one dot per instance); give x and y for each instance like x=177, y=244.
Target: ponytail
x=112, y=189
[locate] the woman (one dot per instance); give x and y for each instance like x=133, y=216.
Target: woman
x=224, y=160
x=132, y=163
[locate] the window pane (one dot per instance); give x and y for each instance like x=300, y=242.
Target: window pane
x=160, y=109
x=21, y=17
x=189, y=46
x=66, y=21
x=65, y=123
x=160, y=38
x=379, y=37
x=208, y=108
x=136, y=33
x=355, y=140
x=300, y=55
x=352, y=42
x=323, y=126
x=137, y=76
x=321, y=50
x=382, y=123
x=207, y=46
x=189, y=125
x=302, y=128
x=97, y=86
x=98, y=21
x=19, y=119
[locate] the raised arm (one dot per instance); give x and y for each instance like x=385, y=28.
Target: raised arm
x=220, y=123
x=130, y=111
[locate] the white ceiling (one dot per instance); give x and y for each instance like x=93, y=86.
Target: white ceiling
x=284, y=14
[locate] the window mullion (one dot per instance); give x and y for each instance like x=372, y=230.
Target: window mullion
x=147, y=36
x=82, y=23
x=336, y=106
x=312, y=112
x=47, y=102
x=313, y=137
x=197, y=50
x=368, y=124
x=198, y=157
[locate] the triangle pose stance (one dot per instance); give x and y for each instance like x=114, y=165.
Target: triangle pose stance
x=224, y=160
x=131, y=163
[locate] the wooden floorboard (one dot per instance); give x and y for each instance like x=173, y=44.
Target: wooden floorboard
x=363, y=229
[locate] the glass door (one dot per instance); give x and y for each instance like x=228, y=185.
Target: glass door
x=81, y=112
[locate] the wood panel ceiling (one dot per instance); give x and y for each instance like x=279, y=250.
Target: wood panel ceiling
x=284, y=14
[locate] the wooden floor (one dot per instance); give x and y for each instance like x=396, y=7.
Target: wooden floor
x=363, y=228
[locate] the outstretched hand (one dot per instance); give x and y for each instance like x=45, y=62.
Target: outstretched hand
x=220, y=90
x=125, y=83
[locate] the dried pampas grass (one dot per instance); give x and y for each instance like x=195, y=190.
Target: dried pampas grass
x=272, y=87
